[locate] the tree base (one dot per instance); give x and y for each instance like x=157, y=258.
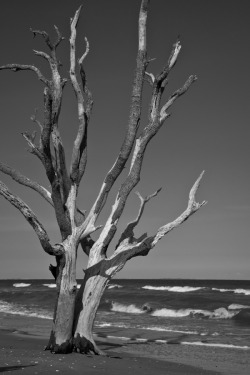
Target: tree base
x=64, y=348
x=85, y=346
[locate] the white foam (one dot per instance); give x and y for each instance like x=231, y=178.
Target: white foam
x=199, y=343
x=220, y=313
x=119, y=338
x=223, y=290
x=21, y=285
x=169, y=313
x=178, y=289
x=112, y=286
x=131, y=309
x=119, y=325
x=50, y=285
x=235, y=306
x=243, y=291
x=161, y=341
x=163, y=329
x=237, y=291
x=12, y=309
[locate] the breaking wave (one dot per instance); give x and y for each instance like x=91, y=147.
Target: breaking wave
x=235, y=306
x=236, y=291
x=178, y=289
x=112, y=286
x=50, y=285
x=13, y=309
x=21, y=285
x=243, y=291
x=131, y=309
x=220, y=313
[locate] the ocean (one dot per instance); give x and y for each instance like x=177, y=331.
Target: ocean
x=212, y=313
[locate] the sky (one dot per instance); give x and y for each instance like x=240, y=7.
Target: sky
x=208, y=130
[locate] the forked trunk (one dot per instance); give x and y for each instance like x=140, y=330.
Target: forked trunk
x=88, y=300
x=62, y=328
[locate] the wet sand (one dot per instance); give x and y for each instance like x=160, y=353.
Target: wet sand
x=22, y=340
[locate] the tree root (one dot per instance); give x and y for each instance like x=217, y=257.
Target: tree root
x=77, y=344
x=85, y=346
x=64, y=348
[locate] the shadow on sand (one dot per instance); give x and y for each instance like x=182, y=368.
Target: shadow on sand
x=13, y=368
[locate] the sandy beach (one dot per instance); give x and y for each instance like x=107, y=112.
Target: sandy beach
x=22, y=340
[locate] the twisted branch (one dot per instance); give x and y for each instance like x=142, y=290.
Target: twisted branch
x=129, y=230
x=32, y=220
x=17, y=67
x=23, y=180
x=142, y=246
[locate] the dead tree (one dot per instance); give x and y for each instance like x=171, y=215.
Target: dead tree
x=75, y=312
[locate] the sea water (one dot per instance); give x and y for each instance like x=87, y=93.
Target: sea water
x=189, y=312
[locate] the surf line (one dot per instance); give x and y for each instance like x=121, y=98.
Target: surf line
x=130, y=338
x=170, y=342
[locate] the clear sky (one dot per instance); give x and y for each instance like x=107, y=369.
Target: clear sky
x=209, y=129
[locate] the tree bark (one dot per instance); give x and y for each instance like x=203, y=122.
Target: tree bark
x=88, y=300
x=62, y=327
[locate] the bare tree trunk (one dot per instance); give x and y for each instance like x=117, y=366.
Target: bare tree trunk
x=88, y=300
x=62, y=328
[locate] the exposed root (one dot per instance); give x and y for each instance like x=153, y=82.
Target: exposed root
x=85, y=346
x=64, y=348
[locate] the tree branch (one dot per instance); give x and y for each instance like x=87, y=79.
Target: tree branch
x=59, y=39
x=192, y=207
x=150, y=78
x=17, y=67
x=23, y=180
x=141, y=247
x=33, y=148
x=44, y=35
x=29, y=215
x=79, y=153
x=174, y=96
x=35, y=120
x=170, y=64
x=43, y=55
x=129, y=230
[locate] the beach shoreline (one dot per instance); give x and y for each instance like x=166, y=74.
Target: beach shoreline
x=22, y=340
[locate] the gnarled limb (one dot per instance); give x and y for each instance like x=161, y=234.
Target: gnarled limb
x=53, y=98
x=23, y=180
x=17, y=67
x=45, y=35
x=161, y=78
x=129, y=230
x=79, y=154
x=174, y=96
x=127, y=250
x=29, y=215
x=192, y=207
